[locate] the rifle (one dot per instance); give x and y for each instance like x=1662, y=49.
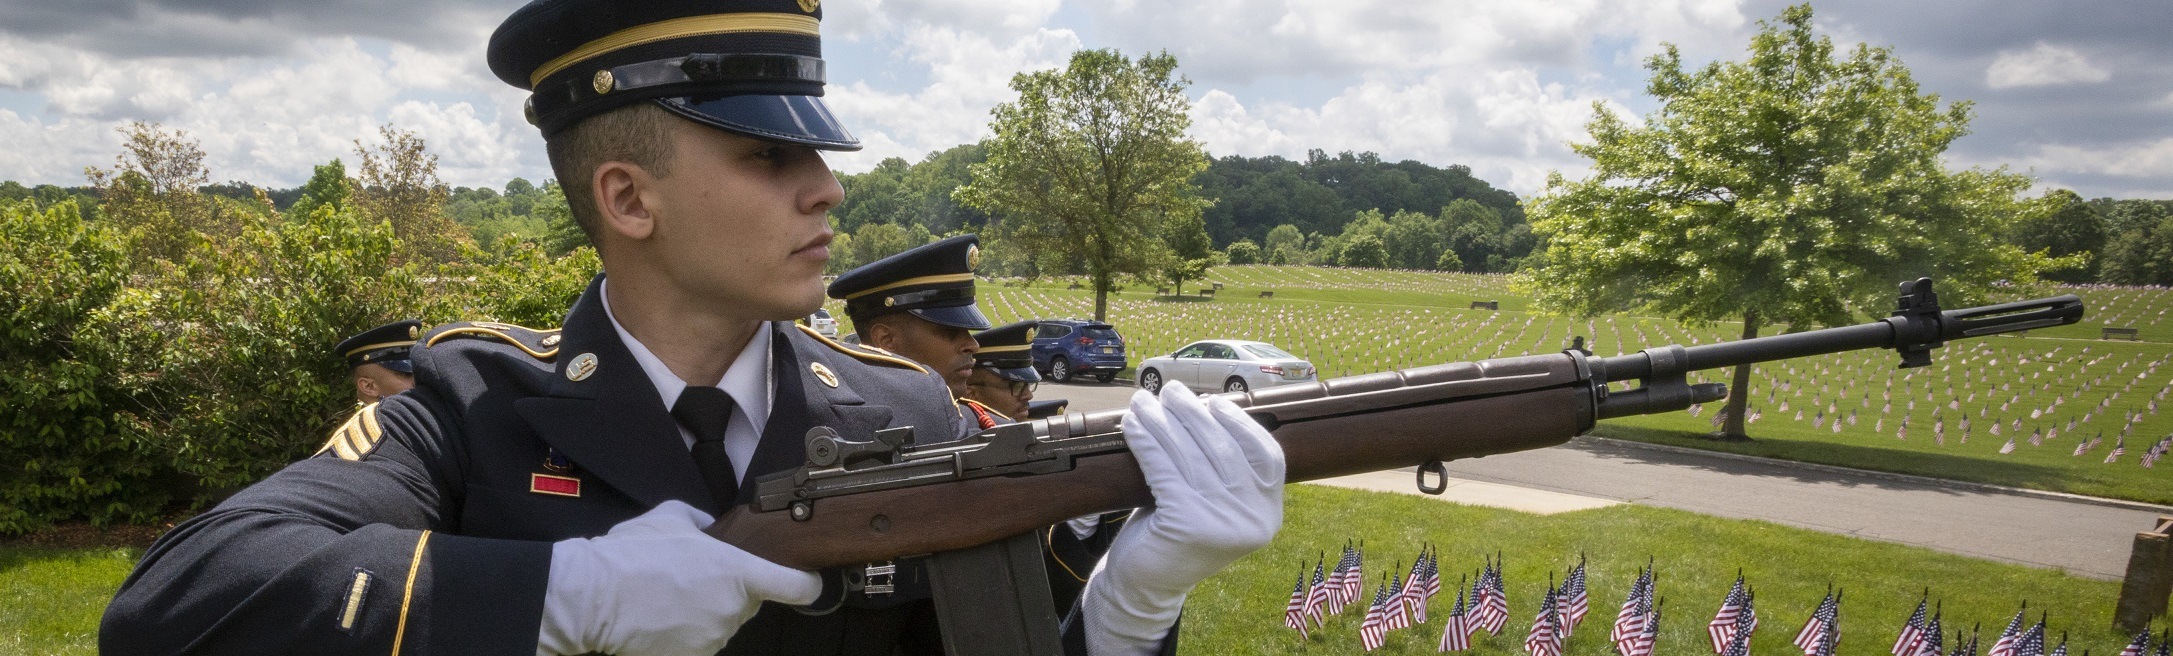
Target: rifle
x=869, y=500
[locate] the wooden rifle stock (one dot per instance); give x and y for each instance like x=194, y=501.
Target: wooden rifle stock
x=907, y=501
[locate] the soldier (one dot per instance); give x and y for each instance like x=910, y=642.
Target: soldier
x=545, y=492
x=378, y=360
x=919, y=304
x=1003, y=379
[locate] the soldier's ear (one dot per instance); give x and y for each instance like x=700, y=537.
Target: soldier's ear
x=366, y=388
x=623, y=194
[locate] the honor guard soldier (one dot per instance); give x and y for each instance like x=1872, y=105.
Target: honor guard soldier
x=1003, y=377
x=919, y=304
x=545, y=492
x=378, y=360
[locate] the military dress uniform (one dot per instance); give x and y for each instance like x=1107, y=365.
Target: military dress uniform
x=425, y=525
x=385, y=346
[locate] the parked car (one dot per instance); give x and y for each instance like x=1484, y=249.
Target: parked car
x=823, y=323
x=1066, y=348
x=1230, y=365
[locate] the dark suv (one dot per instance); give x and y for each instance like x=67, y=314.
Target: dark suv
x=1064, y=348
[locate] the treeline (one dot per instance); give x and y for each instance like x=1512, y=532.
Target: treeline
x=1343, y=210
x=167, y=340
x=2129, y=242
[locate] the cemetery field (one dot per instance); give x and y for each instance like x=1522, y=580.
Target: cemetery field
x=1696, y=558
x=2046, y=410
x=55, y=596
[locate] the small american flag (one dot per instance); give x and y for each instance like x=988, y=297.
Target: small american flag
x=1374, y=630
x=1580, y=603
x=2005, y=646
x=2138, y=647
x=1829, y=640
x=1339, y=592
x=1912, y=631
x=2120, y=447
x=1642, y=644
x=1814, y=629
x=2032, y=642
x=1433, y=574
x=1722, y=628
x=1933, y=642
x=2062, y=649
x=1316, y=595
x=1294, y=612
x=1495, y=615
x=1414, y=590
x=1545, y=640
x=2009, y=447
x=1397, y=618
x=1456, y=632
x=1631, y=619
x=1966, y=649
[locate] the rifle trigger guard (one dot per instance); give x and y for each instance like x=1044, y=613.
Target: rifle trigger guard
x=1441, y=477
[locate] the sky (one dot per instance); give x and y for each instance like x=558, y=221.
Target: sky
x=2077, y=94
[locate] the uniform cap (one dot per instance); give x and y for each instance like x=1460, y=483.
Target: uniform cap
x=1007, y=349
x=385, y=345
x=933, y=282
x=751, y=67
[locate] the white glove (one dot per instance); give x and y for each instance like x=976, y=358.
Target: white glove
x=1217, y=478
x=656, y=584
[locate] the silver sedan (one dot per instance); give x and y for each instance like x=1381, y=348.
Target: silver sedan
x=1229, y=365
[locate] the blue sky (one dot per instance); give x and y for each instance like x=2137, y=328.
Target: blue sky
x=2079, y=95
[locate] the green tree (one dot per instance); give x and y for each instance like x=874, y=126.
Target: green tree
x=1792, y=189
x=1243, y=251
x=398, y=184
x=1190, y=251
x=1364, y=250
x=1414, y=240
x=2073, y=229
x=1285, y=245
x=1088, y=162
x=876, y=241
x=328, y=185
x=2141, y=252
x=151, y=193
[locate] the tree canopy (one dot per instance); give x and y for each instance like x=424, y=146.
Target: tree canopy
x=1791, y=188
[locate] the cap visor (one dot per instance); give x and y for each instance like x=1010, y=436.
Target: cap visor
x=402, y=366
x=1020, y=374
x=803, y=120
x=956, y=316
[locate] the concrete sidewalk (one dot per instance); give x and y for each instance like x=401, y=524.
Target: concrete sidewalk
x=2085, y=537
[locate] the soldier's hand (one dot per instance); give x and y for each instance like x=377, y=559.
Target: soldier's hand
x=1217, y=478
x=656, y=584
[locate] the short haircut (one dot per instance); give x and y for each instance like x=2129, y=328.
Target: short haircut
x=638, y=134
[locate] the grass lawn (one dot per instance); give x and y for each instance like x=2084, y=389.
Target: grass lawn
x=51, y=598
x=1240, y=611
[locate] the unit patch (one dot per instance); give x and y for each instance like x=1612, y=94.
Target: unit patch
x=358, y=437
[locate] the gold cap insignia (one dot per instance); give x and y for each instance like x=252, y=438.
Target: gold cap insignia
x=890, y=301
x=582, y=366
x=973, y=257
x=414, y=332
x=1030, y=333
x=550, y=341
x=823, y=373
x=810, y=6
x=602, y=82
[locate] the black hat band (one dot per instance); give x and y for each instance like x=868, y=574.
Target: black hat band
x=911, y=300
x=692, y=74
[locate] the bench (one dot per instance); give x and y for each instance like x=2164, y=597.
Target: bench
x=1268, y=294
x=1161, y=291
x=2123, y=333
x=1218, y=286
x=1075, y=285
x=1207, y=292
x=1486, y=305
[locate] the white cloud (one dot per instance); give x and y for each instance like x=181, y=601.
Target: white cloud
x=969, y=73
x=2043, y=65
x=2140, y=160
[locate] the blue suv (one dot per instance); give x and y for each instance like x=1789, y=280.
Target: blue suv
x=1064, y=348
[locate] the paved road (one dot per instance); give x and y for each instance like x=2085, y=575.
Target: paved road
x=2082, y=538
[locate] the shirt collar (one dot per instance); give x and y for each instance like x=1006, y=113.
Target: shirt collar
x=747, y=381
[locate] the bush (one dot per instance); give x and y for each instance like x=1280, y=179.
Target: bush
x=1243, y=251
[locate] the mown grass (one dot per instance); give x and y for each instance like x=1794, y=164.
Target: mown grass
x=51, y=598
x=1696, y=557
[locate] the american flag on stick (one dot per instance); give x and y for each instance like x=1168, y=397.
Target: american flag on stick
x=1722, y=628
x=1317, y=594
x=2120, y=448
x=1294, y=612
x=1642, y=643
x=1374, y=630
x=1811, y=638
x=1456, y=631
x=2005, y=646
x=1397, y=618
x=2032, y=642
x=1545, y=637
x=1739, y=644
x=1495, y=612
x=1933, y=642
x=1339, y=581
x=1969, y=648
x=1631, y=619
x=1912, y=631
x=1433, y=575
x=1829, y=640
x=1580, y=603
x=2139, y=646
x=2062, y=649
x=1414, y=590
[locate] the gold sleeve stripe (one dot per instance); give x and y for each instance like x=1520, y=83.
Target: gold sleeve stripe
x=344, y=444
x=477, y=330
x=369, y=426
x=678, y=28
x=407, y=597
x=923, y=280
x=864, y=355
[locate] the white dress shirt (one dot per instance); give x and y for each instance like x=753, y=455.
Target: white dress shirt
x=747, y=381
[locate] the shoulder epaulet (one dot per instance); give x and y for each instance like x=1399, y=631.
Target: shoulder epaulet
x=984, y=408
x=864, y=352
x=541, y=344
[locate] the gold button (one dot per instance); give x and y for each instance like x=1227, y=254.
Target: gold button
x=602, y=82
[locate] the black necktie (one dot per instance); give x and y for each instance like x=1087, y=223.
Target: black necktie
x=705, y=411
